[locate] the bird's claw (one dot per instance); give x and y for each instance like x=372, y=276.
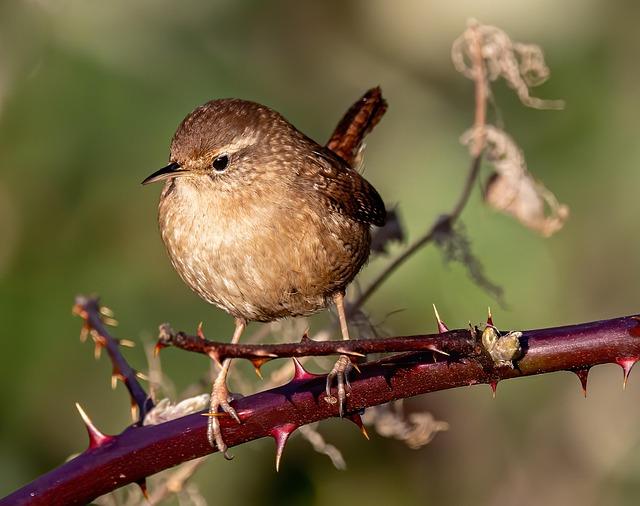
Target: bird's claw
x=219, y=399
x=340, y=372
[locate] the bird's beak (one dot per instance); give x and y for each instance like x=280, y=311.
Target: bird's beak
x=163, y=173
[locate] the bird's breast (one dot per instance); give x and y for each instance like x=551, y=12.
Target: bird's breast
x=259, y=258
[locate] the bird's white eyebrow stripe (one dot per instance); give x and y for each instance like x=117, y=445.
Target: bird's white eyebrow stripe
x=246, y=139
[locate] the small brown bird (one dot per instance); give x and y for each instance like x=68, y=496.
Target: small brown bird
x=263, y=222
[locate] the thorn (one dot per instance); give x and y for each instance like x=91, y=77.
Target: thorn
x=106, y=311
x=97, y=350
x=583, y=375
x=355, y=366
x=96, y=438
x=342, y=351
x=494, y=386
x=258, y=363
x=305, y=336
x=127, y=343
x=84, y=332
x=627, y=365
x=111, y=322
x=115, y=376
x=435, y=349
x=142, y=376
x=217, y=415
x=134, y=410
x=300, y=373
x=199, y=332
x=357, y=419
x=157, y=348
x=489, y=317
x=281, y=434
x=78, y=310
x=441, y=325
x=143, y=488
x=215, y=356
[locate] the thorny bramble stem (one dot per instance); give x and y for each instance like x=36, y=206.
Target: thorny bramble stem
x=88, y=308
x=139, y=452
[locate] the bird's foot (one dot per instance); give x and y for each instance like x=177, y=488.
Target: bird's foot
x=340, y=372
x=219, y=399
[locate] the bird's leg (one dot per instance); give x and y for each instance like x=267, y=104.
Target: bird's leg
x=220, y=398
x=343, y=365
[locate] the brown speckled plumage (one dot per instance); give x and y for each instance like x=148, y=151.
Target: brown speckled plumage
x=278, y=232
x=264, y=223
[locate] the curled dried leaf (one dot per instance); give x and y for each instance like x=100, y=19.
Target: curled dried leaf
x=456, y=247
x=415, y=430
x=522, y=66
x=513, y=190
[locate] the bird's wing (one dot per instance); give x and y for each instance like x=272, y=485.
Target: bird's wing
x=344, y=189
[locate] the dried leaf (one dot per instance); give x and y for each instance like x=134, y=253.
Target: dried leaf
x=456, y=247
x=513, y=190
x=522, y=66
x=416, y=429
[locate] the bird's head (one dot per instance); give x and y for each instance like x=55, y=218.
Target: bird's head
x=228, y=142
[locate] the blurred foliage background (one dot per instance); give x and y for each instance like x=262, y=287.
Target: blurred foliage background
x=90, y=94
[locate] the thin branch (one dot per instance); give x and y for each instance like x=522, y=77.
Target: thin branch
x=139, y=452
x=444, y=223
x=459, y=342
x=89, y=310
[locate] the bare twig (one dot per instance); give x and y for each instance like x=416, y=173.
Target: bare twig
x=444, y=223
x=459, y=342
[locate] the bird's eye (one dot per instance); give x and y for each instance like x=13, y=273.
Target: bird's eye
x=220, y=163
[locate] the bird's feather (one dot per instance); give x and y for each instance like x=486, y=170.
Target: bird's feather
x=344, y=189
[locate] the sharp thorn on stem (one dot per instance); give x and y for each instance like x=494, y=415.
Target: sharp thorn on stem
x=357, y=419
x=199, y=332
x=96, y=438
x=143, y=488
x=157, y=348
x=300, y=373
x=583, y=376
x=442, y=328
x=626, y=364
x=281, y=435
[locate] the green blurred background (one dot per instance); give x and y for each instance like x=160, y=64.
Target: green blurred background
x=90, y=94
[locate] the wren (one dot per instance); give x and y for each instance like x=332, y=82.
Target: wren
x=263, y=222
